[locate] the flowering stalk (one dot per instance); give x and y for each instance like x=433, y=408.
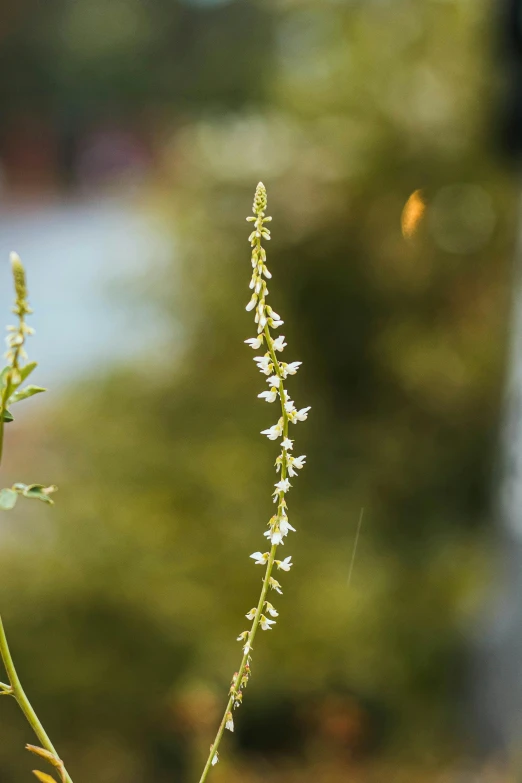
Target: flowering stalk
x=278, y=526
x=15, y=342
x=11, y=378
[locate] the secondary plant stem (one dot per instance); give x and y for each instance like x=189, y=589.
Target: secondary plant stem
x=23, y=702
x=13, y=359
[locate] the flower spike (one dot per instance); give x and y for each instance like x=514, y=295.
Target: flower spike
x=288, y=466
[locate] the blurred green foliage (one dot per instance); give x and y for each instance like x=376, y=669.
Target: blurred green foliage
x=124, y=602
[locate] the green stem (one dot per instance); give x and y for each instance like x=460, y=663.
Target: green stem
x=7, y=388
x=266, y=580
x=23, y=701
x=15, y=686
x=235, y=688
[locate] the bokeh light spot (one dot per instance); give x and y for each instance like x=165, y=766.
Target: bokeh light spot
x=412, y=214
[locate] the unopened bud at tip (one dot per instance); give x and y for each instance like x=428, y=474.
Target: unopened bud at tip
x=18, y=275
x=260, y=199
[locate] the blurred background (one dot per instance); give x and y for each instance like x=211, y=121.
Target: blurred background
x=132, y=135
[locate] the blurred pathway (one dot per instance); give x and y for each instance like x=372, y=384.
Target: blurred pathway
x=86, y=262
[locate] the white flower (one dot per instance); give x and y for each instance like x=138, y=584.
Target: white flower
x=269, y=396
x=287, y=444
x=273, y=313
x=261, y=317
x=274, y=324
x=247, y=647
x=301, y=415
x=276, y=537
x=285, y=565
x=274, y=380
x=215, y=759
x=279, y=343
x=230, y=722
x=275, y=431
x=282, y=486
x=295, y=462
x=255, y=342
x=243, y=636
x=274, y=584
x=270, y=609
x=265, y=623
x=289, y=406
x=290, y=369
x=285, y=526
x=252, y=303
x=264, y=364
x=260, y=558
x=251, y=614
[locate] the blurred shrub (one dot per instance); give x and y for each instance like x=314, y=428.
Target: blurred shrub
x=133, y=594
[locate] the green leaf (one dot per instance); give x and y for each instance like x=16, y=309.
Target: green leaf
x=23, y=394
x=8, y=498
x=3, y=376
x=23, y=373
x=37, y=491
x=26, y=371
x=8, y=416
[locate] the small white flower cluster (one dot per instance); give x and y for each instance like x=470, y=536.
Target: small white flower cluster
x=278, y=371
x=286, y=464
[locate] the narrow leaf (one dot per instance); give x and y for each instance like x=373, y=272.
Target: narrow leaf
x=50, y=757
x=43, y=777
x=23, y=394
x=39, y=492
x=3, y=376
x=26, y=371
x=8, y=416
x=44, y=754
x=8, y=498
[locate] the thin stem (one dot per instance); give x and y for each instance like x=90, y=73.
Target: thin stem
x=235, y=687
x=15, y=686
x=23, y=701
x=266, y=580
x=14, y=367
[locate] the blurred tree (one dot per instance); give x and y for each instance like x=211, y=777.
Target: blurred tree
x=164, y=476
